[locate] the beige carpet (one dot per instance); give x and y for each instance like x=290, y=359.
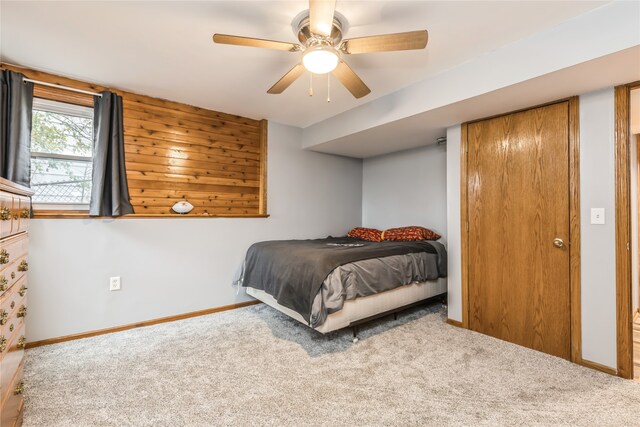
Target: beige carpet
x=254, y=366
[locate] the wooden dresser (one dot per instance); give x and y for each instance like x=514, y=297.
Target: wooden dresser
x=15, y=211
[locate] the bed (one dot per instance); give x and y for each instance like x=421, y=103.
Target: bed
x=333, y=283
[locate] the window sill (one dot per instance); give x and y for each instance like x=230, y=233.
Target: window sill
x=62, y=213
x=80, y=214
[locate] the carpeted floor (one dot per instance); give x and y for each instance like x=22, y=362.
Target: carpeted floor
x=254, y=366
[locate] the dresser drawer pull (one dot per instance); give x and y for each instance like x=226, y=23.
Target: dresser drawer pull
x=11, y=327
x=25, y=213
x=13, y=304
x=3, y=316
x=3, y=343
x=4, y=257
x=23, y=266
x=3, y=283
x=5, y=213
x=22, y=342
x=13, y=274
x=22, y=311
x=19, y=388
x=23, y=290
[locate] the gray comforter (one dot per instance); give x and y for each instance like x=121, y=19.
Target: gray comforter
x=294, y=271
x=369, y=277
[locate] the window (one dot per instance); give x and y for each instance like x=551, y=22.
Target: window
x=61, y=155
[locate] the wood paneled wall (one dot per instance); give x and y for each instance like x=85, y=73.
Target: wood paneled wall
x=176, y=152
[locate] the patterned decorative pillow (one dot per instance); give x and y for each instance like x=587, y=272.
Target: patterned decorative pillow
x=371, y=234
x=409, y=233
x=430, y=234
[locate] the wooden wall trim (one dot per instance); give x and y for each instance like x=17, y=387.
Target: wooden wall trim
x=464, y=225
x=62, y=95
x=574, y=215
x=623, y=234
x=140, y=324
x=65, y=214
x=574, y=230
x=597, y=367
x=455, y=323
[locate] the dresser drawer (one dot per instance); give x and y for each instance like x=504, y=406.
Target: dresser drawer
x=13, y=260
x=6, y=214
x=13, y=356
x=23, y=213
x=12, y=249
x=12, y=402
x=15, y=271
x=13, y=309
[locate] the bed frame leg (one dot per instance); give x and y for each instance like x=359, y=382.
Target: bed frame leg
x=395, y=315
x=355, y=334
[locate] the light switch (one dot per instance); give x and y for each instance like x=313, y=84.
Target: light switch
x=597, y=215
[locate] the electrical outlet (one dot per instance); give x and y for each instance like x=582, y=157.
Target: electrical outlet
x=114, y=283
x=597, y=216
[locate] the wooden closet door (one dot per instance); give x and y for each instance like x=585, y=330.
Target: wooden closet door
x=518, y=201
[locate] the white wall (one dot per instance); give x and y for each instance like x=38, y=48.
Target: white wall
x=597, y=190
x=598, y=241
x=454, y=253
x=173, y=266
x=406, y=188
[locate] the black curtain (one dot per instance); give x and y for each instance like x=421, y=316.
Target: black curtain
x=109, y=191
x=16, y=101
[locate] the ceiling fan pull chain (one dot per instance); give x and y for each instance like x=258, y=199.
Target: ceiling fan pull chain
x=310, y=84
x=328, y=87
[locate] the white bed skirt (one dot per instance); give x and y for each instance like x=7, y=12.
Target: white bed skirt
x=363, y=307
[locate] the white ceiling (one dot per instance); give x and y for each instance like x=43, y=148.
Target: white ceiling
x=164, y=48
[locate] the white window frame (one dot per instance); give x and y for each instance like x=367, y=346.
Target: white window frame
x=50, y=106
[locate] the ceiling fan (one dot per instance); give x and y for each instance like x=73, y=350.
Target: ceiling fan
x=320, y=35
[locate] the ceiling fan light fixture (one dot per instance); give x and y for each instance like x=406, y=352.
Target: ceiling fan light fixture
x=320, y=59
x=319, y=30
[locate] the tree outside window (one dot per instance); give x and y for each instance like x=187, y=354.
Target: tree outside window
x=61, y=153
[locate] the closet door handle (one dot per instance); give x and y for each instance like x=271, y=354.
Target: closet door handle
x=558, y=243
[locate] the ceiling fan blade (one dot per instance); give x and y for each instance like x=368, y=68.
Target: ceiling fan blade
x=287, y=79
x=350, y=80
x=387, y=42
x=249, y=41
x=321, y=16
